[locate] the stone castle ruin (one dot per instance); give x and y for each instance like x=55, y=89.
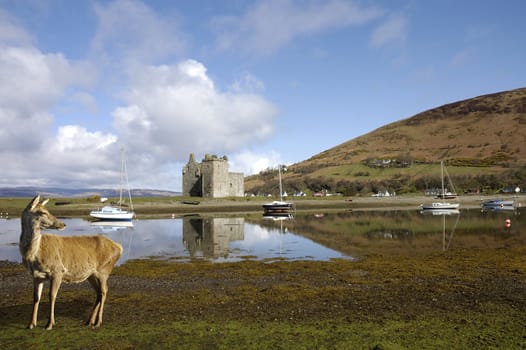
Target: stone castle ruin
x=211, y=178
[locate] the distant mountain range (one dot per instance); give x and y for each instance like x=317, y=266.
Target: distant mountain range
x=61, y=192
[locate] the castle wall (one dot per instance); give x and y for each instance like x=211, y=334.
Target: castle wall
x=236, y=184
x=211, y=179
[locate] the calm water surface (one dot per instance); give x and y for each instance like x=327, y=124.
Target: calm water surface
x=305, y=237
x=216, y=239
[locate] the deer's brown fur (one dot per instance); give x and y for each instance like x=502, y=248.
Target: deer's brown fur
x=64, y=259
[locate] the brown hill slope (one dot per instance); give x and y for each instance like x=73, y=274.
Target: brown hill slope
x=490, y=127
x=484, y=135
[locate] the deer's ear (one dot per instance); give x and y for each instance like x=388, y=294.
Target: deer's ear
x=32, y=205
x=45, y=202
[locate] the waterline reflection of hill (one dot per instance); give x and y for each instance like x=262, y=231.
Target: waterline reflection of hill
x=407, y=232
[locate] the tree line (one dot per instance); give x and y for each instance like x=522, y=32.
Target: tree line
x=485, y=183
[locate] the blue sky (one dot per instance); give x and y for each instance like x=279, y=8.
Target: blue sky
x=263, y=82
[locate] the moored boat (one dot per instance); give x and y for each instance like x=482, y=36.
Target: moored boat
x=117, y=213
x=112, y=213
x=443, y=194
x=440, y=206
x=498, y=203
x=278, y=206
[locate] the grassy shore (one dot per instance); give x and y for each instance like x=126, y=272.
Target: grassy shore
x=453, y=300
x=148, y=207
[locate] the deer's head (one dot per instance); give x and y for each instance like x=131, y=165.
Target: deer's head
x=38, y=213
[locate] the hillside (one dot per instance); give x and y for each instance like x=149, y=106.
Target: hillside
x=478, y=137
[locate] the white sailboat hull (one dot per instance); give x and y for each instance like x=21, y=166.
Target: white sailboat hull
x=277, y=207
x=440, y=206
x=111, y=213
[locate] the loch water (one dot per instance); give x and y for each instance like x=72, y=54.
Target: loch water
x=306, y=236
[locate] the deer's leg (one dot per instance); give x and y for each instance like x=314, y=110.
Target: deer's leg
x=38, y=284
x=103, y=294
x=55, y=283
x=95, y=283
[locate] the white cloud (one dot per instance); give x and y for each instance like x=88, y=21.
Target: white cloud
x=31, y=81
x=130, y=33
x=175, y=110
x=78, y=157
x=19, y=131
x=269, y=25
x=393, y=30
x=75, y=139
x=168, y=110
x=251, y=163
x=30, y=84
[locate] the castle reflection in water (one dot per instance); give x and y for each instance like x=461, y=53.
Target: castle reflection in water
x=210, y=237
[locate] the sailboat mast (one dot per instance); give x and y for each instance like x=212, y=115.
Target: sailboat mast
x=280, y=186
x=442, y=176
x=121, y=179
x=124, y=176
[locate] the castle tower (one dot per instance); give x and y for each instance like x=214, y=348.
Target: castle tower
x=214, y=177
x=192, y=178
x=211, y=178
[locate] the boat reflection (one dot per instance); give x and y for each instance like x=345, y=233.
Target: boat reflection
x=278, y=216
x=440, y=212
x=504, y=209
x=112, y=226
x=445, y=212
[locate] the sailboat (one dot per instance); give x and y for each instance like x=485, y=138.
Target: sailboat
x=110, y=213
x=441, y=205
x=278, y=207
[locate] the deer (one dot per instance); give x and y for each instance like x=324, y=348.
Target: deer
x=69, y=259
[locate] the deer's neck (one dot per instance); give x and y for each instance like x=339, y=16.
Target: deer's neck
x=29, y=238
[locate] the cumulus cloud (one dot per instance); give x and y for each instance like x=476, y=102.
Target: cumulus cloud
x=174, y=110
x=269, y=25
x=31, y=82
x=78, y=157
x=77, y=140
x=166, y=111
x=250, y=163
x=73, y=157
